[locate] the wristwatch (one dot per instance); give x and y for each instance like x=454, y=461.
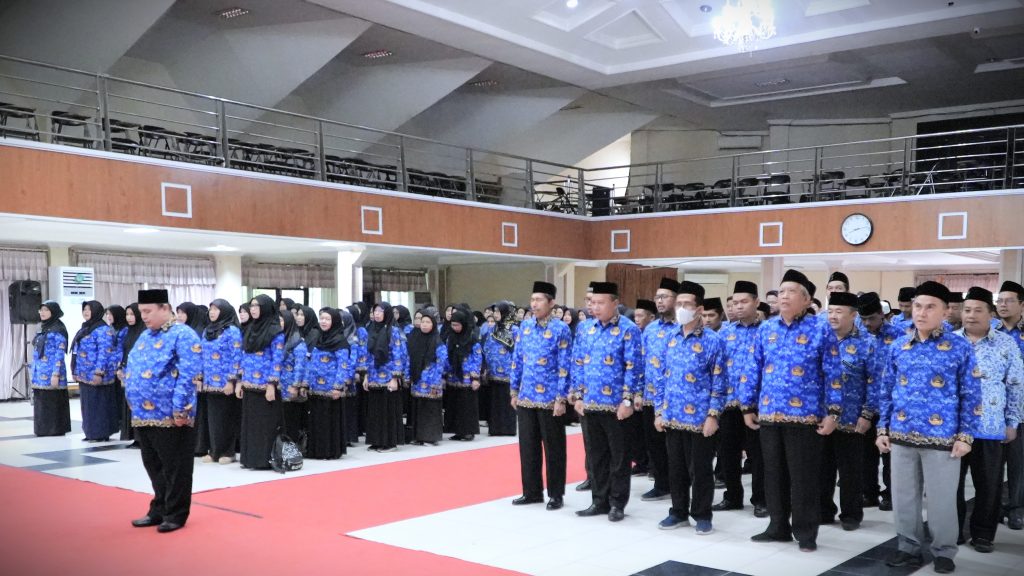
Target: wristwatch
x=627, y=402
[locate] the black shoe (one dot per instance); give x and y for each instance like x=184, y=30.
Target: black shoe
x=1015, y=521
x=616, y=514
x=827, y=520
x=901, y=558
x=851, y=525
x=146, y=522
x=869, y=502
x=653, y=495
x=726, y=505
x=886, y=504
x=594, y=510
x=982, y=545
x=960, y=540
x=719, y=485
x=747, y=468
x=809, y=546
x=555, y=504
x=583, y=486
x=523, y=500
x=760, y=511
x=457, y=437
x=944, y=565
x=468, y=438
x=638, y=471
x=165, y=527
x=768, y=537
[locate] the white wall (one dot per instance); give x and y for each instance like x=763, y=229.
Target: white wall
x=483, y=284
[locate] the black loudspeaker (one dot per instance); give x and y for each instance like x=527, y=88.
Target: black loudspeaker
x=25, y=297
x=601, y=201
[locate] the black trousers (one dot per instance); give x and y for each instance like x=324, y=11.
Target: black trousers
x=792, y=462
x=690, y=465
x=608, y=461
x=501, y=419
x=985, y=462
x=636, y=446
x=167, y=456
x=223, y=414
x=842, y=452
x=657, y=454
x=871, y=459
x=540, y=429
x=1015, y=473
x=735, y=438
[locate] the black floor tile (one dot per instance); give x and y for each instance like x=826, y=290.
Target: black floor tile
x=672, y=568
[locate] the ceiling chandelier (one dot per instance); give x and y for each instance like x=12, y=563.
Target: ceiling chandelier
x=743, y=23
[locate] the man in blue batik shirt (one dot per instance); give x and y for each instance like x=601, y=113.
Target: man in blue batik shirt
x=1002, y=382
x=930, y=407
x=164, y=369
x=1010, y=307
x=610, y=376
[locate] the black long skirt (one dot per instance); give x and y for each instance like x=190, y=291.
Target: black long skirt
x=384, y=427
x=465, y=411
x=350, y=406
x=222, y=415
x=448, y=405
x=51, y=412
x=503, y=416
x=483, y=402
x=260, y=422
x=427, y=425
x=296, y=420
x=100, y=411
x=202, y=426
x=127, y=431
x=326, y=435
x=362, y=408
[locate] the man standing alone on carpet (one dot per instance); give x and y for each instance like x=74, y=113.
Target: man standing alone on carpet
x=164, y=369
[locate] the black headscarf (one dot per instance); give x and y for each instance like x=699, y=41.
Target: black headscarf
x=119, y=318
x=379, y=344
x=574, y=319
x=311, y=329
x=193, y=317
x=95, y=321
x=502, y=332
x=404, y=317
x=363, y=319
x=288, y=303
x=292, y=334
x=423, y=347
x=480, y=318
x=357, y=315
x=204, y=317
x=228, y=317
x=334, y=339
x=262, y=330
x=245, y=325
x=460, y=345
x=350, y=327
x=54, y=324
x=134, y=331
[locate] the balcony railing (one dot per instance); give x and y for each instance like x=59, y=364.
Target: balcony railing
x=71, y=107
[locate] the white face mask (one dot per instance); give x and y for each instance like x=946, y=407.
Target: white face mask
x=684, y=316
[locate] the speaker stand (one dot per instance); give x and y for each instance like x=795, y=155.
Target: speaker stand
x=23, y=370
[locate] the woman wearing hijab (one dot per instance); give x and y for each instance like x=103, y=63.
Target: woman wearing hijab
x=428, y=358
x=91, y=349
x=387, y=367
x=133, y=318
x=262, y=363
x=116, y=317
x=446, y=321
x=243, y=317
x=349, y=395
x=463, y=375
x=330, y=370
x=218, y=410
x=403, y=319
x=189, y=315
x=285, y=304
x=360, y=318
x=294, y=378
x=204, y=318
x=50, y=403
x=498, y=346
x=307, y=321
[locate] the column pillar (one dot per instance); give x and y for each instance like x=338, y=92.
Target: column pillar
x=59, y=255
x=229, y=278
x=1011, y=265
x=349, y=276
x=565, y=282
x=772, y=269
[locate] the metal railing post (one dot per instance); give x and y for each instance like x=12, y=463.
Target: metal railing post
x=529, y=184
x=733, y=199
x=1011, y=153
x=816, y=177
x=104, y=109
x=470, y=175
x=401, y=164
x=581, y=192
x=659, y=174
x=905, y=175
x=321, y=156
x=222, y=127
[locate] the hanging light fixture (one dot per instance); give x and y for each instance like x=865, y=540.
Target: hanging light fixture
x=744, y=23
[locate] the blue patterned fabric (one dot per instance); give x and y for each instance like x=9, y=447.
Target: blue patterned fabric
x=93, y=356
x=739, y=355
x=858, y=371
x=1002, y=384
x=887, y=334
x=541, y=363
x=498, y=357
x=263, y=368
x=1016, y=333
x=471, y=367
x=931, y=391
x=164, y=369
x=114, y=360
x=655, y=341
x=609, y=361
x=329, y=371
x=431, y=384
x=359, y=351
x=694, y=382
x=788, y=384
x=51, y=363
x=294, y=373
x=397, y=366
x=222, y=359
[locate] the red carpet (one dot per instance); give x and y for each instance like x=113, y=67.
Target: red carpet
x=52, y=525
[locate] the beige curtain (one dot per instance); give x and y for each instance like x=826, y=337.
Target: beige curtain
x=962, y=282
x=264, y=275
x=381, y=280
x=17, y=264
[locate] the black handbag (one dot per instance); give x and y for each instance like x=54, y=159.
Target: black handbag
x=286, y=455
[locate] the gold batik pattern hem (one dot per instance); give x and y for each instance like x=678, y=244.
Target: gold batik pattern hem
x=683, y=427
x=916, y=439
x=779, y=418
x=534, y=404
x=162, y=423
x=428, y=396
x=326, y=395
x=259, y=387
x=595, y=407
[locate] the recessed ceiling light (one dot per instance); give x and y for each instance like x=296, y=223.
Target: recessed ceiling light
x=772, y=82
x=705, y=8
x=229, y=13
x=140, y=230
x=222, y=248
x=572, y=3
x=484, y=83
x=374, y=55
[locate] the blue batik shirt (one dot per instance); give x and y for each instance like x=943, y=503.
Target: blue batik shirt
x=92, y=356
x=655, y=340
x=609, y=362
x=1002, y=384
x=359, y=350
x=497, y=356
x=472, y=364
x=1016, y=333
x=541, y=363
x=694, y=382
x=931, y=391
x=397, y=366
x=293, y=373
x=164, y=369
x=431, y=384
x=222, y=359
x=329, y=371
x=116, y=357
x=858, y=371
x=263, y=368
x=51, y=363
x=739, y=355
x=788, y=384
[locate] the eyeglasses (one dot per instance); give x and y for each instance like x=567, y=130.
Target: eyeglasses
x=662, y=297
x=1007, y=301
